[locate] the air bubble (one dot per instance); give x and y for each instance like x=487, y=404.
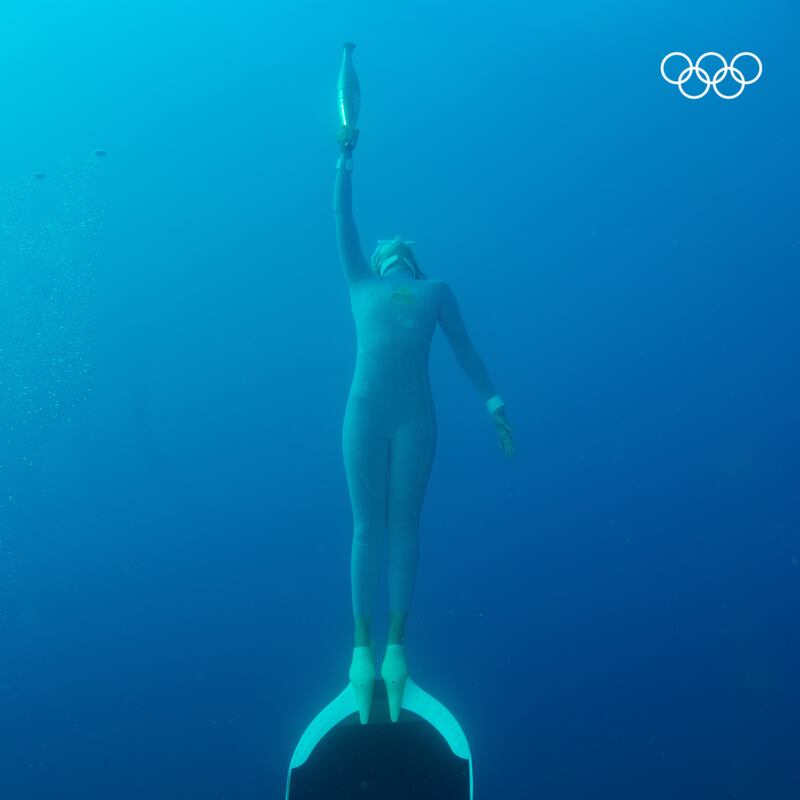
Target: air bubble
x=48, y=241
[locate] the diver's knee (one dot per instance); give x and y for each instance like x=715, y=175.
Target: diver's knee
x=405, y=534
x=365, y=533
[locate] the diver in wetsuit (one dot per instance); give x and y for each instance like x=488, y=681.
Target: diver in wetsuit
x=389, y=433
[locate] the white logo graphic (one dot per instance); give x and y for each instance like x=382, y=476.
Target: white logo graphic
x=719, y=76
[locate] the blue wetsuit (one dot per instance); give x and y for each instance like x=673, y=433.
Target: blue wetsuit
x=389, y=434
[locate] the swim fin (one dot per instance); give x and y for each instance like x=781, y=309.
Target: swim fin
x=394, y=672
x=350, y=751
x=362, y=679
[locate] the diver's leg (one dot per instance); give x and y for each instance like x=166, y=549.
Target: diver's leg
x=397, y=627
x=362, y=636
x=410, y=460
x=411, y=454
x=366, y=460
x=365, y=449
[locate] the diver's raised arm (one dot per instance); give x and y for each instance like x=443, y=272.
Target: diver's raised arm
x=351, y=255
x=472, y=364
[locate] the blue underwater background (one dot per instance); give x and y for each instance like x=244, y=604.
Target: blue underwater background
x=614, y=613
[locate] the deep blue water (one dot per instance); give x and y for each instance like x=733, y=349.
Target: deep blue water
x=614, y=614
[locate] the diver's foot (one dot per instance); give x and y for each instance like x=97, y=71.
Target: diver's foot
x=362, y=677
x=394, y=672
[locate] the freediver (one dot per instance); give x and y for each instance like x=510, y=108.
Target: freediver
x=389, y=431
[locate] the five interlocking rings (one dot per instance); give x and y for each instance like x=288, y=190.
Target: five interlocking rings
x=719, y=75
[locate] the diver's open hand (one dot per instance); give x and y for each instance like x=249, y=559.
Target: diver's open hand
x=347, y=138
x=504, y=431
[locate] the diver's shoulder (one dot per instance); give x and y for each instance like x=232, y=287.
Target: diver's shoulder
x=441, y=289
x=437, y=285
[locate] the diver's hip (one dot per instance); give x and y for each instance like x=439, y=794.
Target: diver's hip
x=390, y=401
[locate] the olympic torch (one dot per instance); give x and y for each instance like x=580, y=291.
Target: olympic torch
x=348, y=93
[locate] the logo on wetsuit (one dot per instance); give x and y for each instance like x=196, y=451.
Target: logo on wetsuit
x=403, y=297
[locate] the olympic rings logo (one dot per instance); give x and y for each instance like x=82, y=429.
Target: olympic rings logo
x=705, y=77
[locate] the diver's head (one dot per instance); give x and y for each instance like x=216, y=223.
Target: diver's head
x=393, y=256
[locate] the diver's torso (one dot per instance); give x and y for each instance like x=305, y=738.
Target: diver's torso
x=395, y=322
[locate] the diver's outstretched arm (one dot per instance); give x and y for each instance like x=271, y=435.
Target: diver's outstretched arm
x=354, y=264
x=467, y=356
x=472, y=364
